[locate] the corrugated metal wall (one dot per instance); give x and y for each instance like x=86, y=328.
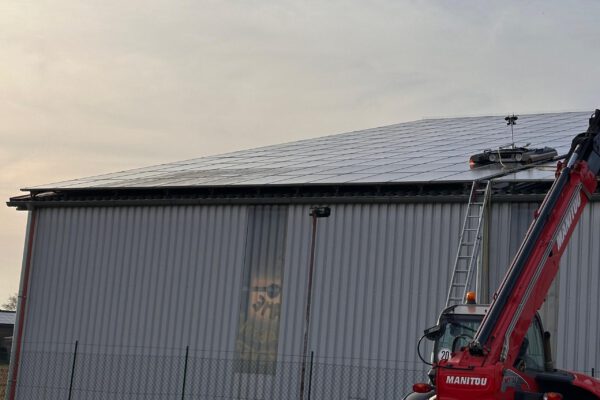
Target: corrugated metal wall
x=508, y=224
x=571, y=312
x=166, y=276
x=578, y=329
x=382, y=273
x=154, y=277
x=153, y=280
x=134, y=286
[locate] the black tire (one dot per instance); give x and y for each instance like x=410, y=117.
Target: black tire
x=419, y=396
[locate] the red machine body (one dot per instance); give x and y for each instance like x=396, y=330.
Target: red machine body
x=485, y=369
x=495, y=382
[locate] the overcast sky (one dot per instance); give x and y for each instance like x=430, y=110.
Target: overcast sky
x=89, y=87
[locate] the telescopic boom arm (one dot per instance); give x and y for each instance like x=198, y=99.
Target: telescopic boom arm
x=526, y=284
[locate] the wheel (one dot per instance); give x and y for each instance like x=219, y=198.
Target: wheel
x=420, y=396
x=519, y=157
x=493, y=157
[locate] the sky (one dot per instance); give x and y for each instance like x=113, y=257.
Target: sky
x=91, y=87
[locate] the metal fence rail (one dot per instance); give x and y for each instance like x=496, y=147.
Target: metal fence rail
x=187, y=374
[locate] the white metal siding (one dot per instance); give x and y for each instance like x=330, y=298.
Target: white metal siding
x=153, y=280
x=134, y=286
x=571, y=311
x=154, y=277
x=382, y=273
x=579, y=307
x=509, y=223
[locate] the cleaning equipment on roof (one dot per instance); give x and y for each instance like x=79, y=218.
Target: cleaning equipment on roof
x=511, y=153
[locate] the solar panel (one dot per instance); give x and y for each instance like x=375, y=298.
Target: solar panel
x=429, y=150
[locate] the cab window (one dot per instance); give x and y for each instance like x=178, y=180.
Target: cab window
x=532, y=357
x=458, y=332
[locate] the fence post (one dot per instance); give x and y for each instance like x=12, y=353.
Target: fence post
x=185, y=367
x=312, y=356
x=593, y=372
x=73, y=369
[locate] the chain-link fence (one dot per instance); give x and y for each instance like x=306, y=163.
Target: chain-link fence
x=138, y=373
x=3, y=379
x=70, y=372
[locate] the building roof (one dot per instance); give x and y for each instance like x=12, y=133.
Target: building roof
x=7, y=317
x=424, y=151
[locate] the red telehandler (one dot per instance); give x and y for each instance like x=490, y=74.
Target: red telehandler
x=500, y=351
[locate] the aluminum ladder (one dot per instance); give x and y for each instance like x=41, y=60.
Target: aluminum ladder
x=469, y=245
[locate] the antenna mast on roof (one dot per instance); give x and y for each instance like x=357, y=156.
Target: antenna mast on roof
x=512, y=121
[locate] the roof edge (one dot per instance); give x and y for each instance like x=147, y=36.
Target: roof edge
x=526, y=191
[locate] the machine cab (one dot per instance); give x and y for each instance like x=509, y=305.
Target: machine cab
x=456, y=328
x=458, y=324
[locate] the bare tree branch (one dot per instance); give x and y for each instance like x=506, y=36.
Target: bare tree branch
x=11, y=303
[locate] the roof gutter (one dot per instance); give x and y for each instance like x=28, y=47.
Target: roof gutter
x=503, y=198
x=29, y=205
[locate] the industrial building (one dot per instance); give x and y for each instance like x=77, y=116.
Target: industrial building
x=191, y=278
x=7, y=325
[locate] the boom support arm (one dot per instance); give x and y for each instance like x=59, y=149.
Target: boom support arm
x=524, y=288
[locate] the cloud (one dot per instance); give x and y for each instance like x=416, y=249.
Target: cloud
x=95, y=87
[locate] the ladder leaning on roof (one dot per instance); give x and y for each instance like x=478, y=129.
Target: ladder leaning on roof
x=465, y=263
